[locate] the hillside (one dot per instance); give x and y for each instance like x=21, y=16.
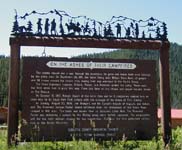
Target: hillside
x=4, y=68
x=175, y=69
x=176, y=75
x=175, y=66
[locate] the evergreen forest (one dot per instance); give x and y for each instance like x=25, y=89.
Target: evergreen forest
x=175, y=69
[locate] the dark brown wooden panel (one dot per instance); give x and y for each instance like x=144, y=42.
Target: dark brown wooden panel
x=102, y=99
x=86, y=42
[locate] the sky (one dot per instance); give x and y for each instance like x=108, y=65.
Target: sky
x=168, y=11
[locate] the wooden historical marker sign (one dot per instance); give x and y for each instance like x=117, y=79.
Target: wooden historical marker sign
x=88, y=98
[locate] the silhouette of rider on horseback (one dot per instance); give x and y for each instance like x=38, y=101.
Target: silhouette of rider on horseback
x=74, y=27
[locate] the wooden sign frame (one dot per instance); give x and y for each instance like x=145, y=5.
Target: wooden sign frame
x=14, y=75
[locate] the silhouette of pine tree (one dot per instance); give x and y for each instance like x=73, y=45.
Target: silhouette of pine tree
x=128, y=32
x=109, y=30
x=29, y=28
x=15, y=27
x=158, y=35
x=164, y=27
x=105, y=32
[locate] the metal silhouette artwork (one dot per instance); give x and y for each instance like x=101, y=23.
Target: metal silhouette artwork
x=61, y=24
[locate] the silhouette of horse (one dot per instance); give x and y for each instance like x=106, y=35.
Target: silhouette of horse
x=74, y=27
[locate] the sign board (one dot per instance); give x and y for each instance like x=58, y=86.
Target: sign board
x=99, y=99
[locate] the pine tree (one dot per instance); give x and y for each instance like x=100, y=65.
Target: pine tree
x=15, y=27
x=109, y=30
x=29, y=28
x=158, y=35
x=128, y=32
x=164, y=36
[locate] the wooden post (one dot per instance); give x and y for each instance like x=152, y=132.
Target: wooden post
x=13, y=94
x=165, y=92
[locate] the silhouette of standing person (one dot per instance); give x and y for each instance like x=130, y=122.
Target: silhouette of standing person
x=136, y=30
x=53, y=27
x=118, y=32
x=128, y=32
x=61, y=26
x=143, y=35
x=39, y=26
x=47, y=26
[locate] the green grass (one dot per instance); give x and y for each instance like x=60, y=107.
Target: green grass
x=176, y=144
